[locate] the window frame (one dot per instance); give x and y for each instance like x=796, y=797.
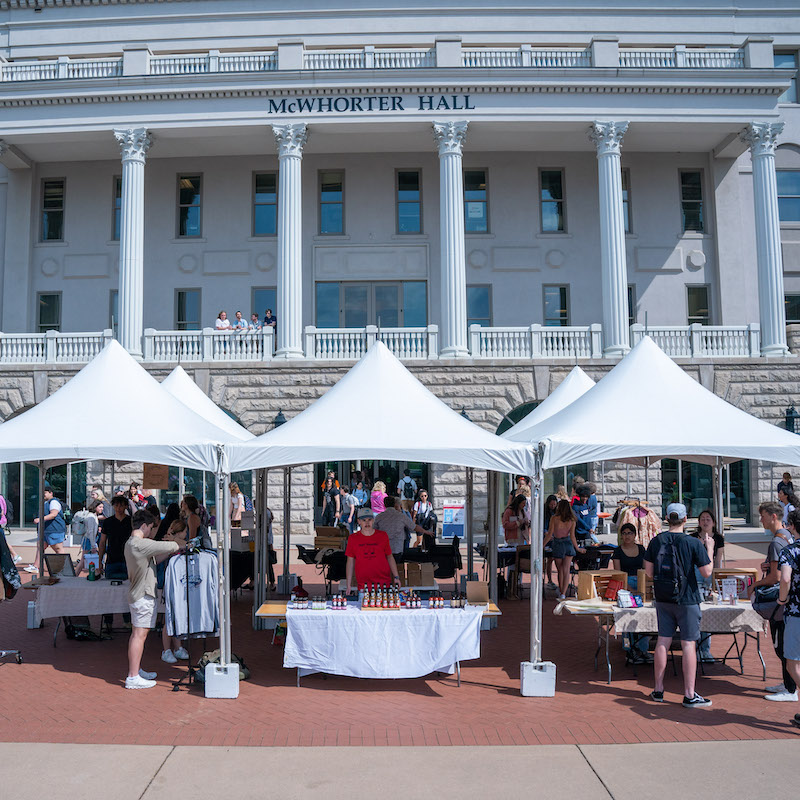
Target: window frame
x=701, y=201
x=786, y=223
x=545, y=287
x=39, y=296
x=794, y=87
x=485, y=171
x=63, y=209
x=786, y=297
x=371, y=300
x=253, y=231
x=253, y=290
x=625, y=173
x=397, y=202
x=632, y=304
x=563, y=201
x=116, y=234
x=707, y=287
x=488, y=287
x=179, y=177
x=199, y=307
x=112, y=324
x=342, y=202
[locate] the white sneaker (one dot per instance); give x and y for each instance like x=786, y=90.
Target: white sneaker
x=182, y=654
x=148, y=676
x=138, y=682
x=17, y=559
x=782, y=697
x=778, y=688
x=33, y=570
x=561, y=597
x=169, y=657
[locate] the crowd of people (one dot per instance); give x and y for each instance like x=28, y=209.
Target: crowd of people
x=240, y=325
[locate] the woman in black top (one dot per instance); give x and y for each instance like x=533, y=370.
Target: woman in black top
x=628, y=557
x=549, y=507
x=706, y=521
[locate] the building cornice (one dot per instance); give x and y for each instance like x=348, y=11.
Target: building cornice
x=6, y=5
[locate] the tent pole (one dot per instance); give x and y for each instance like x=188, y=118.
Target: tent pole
x=537, y=534
x=603, y=483
x=41, y=519
x=219, y=501
x=717, y=483
x=647, y=479
x=491, y=539
x=468, y=522
x=287, y=488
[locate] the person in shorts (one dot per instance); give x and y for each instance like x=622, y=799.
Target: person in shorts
x=55, y=529
x=141, y=554
x=789, y=600
x=670, y=563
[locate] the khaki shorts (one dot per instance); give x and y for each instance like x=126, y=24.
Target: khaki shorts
x=143, y=612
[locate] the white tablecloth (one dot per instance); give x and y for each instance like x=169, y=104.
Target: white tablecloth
x=401, y=643
x=77, y=597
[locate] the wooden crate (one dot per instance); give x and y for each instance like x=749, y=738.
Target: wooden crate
x=745, y=576
x=328, y=537
x=644, y=586
x=593, y=583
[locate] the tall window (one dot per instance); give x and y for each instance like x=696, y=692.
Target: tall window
x=556, y=306
x=692, y=200
x=698, y=303
x=263, y=297
x=409, y=201
x=390, y=304
x=551, y=192
x=788, y=61
x=53, y=210
x=187, y=309
x=265, y=204
x=631, y=304
x=116, y=222
x=331, y=202
x=788, y=194
x=189, y=205
x=626, y=199
x=476, y=211
x=113, y=312
x=49, y=311
x=479, y=306
x=792, y=308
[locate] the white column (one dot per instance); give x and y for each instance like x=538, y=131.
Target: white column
x=607, y=138
x=290, y=139
x=761, y=136
x=134, y=144
x=450, y=138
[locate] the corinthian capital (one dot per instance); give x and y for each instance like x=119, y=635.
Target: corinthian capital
x=133, y=143
x=760, y=137
x=607, y=136
x=291, y=138
x=450, y=136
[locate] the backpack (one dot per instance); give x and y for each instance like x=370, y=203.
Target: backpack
x=248, y=503
x=408, y=489
x=669, y=579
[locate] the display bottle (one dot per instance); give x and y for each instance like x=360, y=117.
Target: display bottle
x=91, y=576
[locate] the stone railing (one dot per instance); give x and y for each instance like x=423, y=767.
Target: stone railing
x=51, y=347
x=208, y=345
x=536, y=341
x=703, y=341
x=292, y=55
x=352, y=343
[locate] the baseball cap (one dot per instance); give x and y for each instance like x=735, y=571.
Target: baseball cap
x=365, y=513
x=679, y=509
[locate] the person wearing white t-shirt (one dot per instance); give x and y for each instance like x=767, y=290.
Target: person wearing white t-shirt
x=223, y=323
x=237, y=505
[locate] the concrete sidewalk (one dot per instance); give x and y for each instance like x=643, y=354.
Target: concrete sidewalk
x=710, y=770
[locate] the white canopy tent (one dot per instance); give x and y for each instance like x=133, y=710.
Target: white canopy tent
x=647, y=408
x=114, y=409
x=391, y=415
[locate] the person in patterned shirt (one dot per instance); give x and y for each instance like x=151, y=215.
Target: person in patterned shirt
x=789, y=598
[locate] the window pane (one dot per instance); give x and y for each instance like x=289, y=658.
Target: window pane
x=387, y=305
x=263, y=299
x=789, y=209
x=631, y=305
x=555, y=306
x=356, y=305
x=53, y=194
x=691, y=186
x=190, y=221
x=552, y=188
x=190, y=190
x=478, y=306
x=552, y=216
x=331, y=187
x=49, y=312
x=626, y=197
x=408, y=217
x=475, y=220
x=475, y=184
x=698, y=304
x=792, y=308
x=265, y=220
x=408, y=185
x=415, y=304
x=266, y=188
x=188, y=310
x=117, y=208
x=788, y=181
x=52, y=225
x=692, y=216
x=327, y=305
x=788, y=61
x=114, y=311
x=331, y=220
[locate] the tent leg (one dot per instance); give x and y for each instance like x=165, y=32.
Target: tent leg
x=40, y=530
x=287, y=490
x=647, y=480
x=468, y=521
x=718, y=509
x=219, y=500
x=537, y=554
x=491, y=539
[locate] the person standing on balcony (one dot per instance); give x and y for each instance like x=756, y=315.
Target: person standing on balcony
x=239, y=324
x=271, y=321
x=223, y=323
x=255, y=322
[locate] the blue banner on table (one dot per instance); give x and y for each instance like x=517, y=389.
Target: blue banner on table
x=453, y=520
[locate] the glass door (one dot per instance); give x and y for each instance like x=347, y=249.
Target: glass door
x=356, y=304
x=387, y=305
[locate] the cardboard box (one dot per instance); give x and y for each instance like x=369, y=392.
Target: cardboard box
x=644, y=586
x=419, y=574
x=477, y=593
x=593, y=583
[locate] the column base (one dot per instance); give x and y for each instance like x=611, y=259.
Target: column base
x=454, y=352
x=286, y=353
x=775, y=351
x=616, y=351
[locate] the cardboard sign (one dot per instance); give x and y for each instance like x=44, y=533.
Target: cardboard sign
x=156, y=476
x=453, y=520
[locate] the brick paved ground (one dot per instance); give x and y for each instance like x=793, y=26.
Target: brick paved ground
x=73, y=693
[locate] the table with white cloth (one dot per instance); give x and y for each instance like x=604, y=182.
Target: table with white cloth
x=79, y=597
x=716, y=619
x=396, y=643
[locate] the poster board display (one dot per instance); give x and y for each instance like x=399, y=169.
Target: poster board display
x=453, y=520
x=155, y=476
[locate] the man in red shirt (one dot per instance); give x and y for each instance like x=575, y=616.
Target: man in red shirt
x=369, y=554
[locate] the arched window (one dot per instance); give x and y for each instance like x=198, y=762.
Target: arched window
x=514, y=416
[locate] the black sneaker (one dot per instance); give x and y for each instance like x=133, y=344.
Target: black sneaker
x=797, y=717
x=657, y=697
x=696, y=702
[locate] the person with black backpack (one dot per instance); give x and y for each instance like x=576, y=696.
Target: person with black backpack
x=407, y=486
x=670, y=562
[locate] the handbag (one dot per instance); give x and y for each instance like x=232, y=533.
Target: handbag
x=765, y=603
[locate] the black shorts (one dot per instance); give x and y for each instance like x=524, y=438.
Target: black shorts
x=672, y=617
